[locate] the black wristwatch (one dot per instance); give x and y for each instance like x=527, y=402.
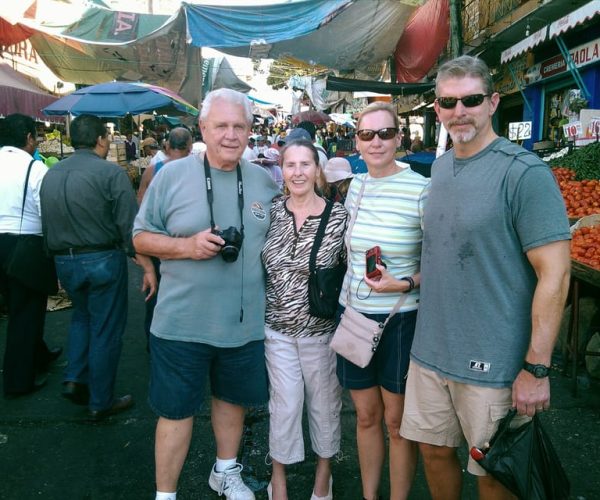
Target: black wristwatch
x=538, y=371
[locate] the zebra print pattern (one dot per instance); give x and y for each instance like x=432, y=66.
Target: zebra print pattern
x=285, y=257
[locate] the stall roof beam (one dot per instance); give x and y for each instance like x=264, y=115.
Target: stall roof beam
x=519, y=86
x=572, y=67
x=352, y=85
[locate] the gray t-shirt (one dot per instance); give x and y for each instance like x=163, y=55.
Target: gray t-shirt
x=483, y=213
x=200, y=301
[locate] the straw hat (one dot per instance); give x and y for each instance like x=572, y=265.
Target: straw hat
x=150, y=142
x=338, y=169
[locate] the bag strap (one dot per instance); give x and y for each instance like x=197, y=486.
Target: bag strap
x=319, y=236
x=25, y=193
x=353, y=218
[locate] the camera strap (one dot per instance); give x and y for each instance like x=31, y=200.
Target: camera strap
x=210, y=196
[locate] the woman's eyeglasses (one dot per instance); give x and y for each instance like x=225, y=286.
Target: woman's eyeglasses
x=468, y=101
x=385, y=134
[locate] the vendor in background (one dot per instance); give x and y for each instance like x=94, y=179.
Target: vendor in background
x=417, y=144
x=149, y=146
x=130, y=147
x=406, y=142
x=338, y=174
x=179, y=145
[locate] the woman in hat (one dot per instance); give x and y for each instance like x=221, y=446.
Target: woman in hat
x=338, y=174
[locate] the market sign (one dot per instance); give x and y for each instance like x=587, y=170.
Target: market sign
x=582, y=55
x=573, y=129
x=23, y=58
x=594, y=127
x=518, y=131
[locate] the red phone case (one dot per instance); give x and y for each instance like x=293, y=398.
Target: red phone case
x=373, y=253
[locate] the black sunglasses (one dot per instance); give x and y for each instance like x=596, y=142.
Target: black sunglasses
x=468, y=101
x=385, y=134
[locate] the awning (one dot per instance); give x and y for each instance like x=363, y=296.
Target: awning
x=19, y=95
x=413, y=58
x=565, y=23
x=588, y=11
x=352, y=85
x=524, y=45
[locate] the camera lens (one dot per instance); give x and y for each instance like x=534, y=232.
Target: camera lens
x=229, y=253
x=233, y=242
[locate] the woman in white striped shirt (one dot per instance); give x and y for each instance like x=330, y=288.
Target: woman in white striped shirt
x=387, y=204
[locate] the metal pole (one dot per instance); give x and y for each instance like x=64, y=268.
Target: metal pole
x=456, y=42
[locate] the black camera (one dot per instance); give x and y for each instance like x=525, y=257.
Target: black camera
x=233, y=242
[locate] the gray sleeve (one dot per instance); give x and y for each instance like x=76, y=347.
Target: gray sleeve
x=538, y=209
x=149, y=216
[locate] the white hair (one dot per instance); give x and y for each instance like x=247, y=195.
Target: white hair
x=232, y=96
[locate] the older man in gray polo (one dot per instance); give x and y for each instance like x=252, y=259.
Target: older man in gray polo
x=206, y=218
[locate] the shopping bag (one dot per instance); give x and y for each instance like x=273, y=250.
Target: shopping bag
x=524, y=460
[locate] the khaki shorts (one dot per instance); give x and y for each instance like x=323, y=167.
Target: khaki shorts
x=443, y=412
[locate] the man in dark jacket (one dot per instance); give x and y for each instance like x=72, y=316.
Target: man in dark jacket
x=88, y=206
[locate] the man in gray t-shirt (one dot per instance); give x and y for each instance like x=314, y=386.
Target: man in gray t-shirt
x=207, y=219
x=494, y=279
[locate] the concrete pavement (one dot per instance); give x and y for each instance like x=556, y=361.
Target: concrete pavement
x=49, y=451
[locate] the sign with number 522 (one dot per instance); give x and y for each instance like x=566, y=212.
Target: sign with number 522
x=518, y=131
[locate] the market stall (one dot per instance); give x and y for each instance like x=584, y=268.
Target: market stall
x=578, y=175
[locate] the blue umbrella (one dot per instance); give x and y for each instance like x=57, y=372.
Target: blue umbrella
x=116, y=99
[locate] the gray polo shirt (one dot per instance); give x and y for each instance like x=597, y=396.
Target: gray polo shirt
x=201, y=300
x=482, y=215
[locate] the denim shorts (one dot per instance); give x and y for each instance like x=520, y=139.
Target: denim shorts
x=178, y=373
x=389, y=366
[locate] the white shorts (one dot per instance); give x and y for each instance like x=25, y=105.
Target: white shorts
x=299, y=369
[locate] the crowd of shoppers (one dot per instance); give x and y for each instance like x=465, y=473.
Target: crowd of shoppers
x=473, y=267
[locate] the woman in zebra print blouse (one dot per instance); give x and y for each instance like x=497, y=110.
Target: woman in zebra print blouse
x=300, y=363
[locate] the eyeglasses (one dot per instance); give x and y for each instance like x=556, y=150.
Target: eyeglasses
x=384, y=133
x=468, y=101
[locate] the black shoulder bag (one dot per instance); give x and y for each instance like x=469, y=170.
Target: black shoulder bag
x=29, y=262
x=324, y=284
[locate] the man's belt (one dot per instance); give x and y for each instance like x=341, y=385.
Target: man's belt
x=86, y=249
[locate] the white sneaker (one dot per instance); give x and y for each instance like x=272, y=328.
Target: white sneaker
x=229, y=483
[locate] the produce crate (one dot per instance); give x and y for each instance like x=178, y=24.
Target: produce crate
x=579, y=269
x=116, y=152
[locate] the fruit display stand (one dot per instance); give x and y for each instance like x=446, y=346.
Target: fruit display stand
x=580, y=273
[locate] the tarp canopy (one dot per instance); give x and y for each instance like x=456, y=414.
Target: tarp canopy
x=413, y=58
x=355, y=35
x=217, y=73
x=19, y=95
x=239, y=25
x=351, y=85
x=101, y=44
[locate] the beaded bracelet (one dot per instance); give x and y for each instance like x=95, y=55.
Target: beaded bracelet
x=411, y=282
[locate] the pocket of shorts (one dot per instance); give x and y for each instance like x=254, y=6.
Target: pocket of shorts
x=498, y=411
